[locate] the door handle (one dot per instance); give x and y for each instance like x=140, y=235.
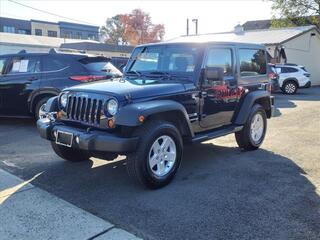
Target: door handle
x=32, y=78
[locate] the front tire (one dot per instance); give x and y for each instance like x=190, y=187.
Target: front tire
x=70, y=154
x=254, y=130
x=290, y=87
x=158, y=155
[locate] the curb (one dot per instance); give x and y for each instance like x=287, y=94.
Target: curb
x=28, y=212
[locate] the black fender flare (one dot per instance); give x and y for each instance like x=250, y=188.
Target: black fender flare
x=247, y=103
x=44, y=91
x=129, y=114
x=291, y=79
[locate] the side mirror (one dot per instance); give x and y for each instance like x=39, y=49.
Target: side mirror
x=214, y=73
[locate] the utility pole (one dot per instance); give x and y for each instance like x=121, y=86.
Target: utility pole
x=195, y=20
x=187, y=26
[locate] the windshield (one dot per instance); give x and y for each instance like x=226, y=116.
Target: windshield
x=169, y=59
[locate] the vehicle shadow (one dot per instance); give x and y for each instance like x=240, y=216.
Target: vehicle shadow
x=219, y=193
x=289, y=101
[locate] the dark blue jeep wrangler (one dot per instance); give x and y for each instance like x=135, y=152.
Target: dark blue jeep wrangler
x=188, y=90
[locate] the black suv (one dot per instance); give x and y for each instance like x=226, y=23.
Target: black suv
x=28, y=80
x=173, y=93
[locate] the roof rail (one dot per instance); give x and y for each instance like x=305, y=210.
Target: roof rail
x=22, y=51
x=65, y=50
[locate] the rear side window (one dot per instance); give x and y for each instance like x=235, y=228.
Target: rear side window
x=219, y=57
x=24, y=65
x=288, y=70
x=53, y=64
x=252, y=62
x=2, y=65
x=99, y=64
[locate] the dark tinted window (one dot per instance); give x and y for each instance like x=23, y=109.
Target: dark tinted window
x=288, y=70
x=38, y=32
x=53, y=64
x=24, y=65
x=99, y=64
x=2, y=65
x=219, y=57
x=52, y=33
x=252, y=62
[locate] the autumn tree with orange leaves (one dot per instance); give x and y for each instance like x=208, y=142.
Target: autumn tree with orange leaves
x=133, y=28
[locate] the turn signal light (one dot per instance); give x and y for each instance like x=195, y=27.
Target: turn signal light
x=59, y=114
x=141, y=119
x=110, y=123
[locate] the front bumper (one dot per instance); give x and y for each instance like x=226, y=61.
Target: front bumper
x=92, y=141
x=307, y=85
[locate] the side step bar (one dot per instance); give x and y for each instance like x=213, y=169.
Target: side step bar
x=201, y=137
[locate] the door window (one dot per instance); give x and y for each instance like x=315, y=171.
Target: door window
x=220, y=57
x=252, y=62
x=24, y=65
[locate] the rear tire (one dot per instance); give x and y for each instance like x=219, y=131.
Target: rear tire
x=70, y=154
x=289, y=87
x=158, y=155
x=254, y=130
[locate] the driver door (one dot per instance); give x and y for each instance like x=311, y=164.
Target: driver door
x=219, y=97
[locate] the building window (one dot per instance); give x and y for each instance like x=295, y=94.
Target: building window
x=9, y=29
x=67, y=34
x=52, y=34
x=21, y=31
x=91, y=36
x=79, y=35
x=38, y=32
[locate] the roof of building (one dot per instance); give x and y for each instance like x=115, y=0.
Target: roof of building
x=32, y=40
x=265, y=36
x=96, y=46
x=257, y=24
x=266, y=24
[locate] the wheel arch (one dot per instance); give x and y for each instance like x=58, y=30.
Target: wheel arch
x=40, y=94
x=261, y=97
x=167, y=110
x=291, y=79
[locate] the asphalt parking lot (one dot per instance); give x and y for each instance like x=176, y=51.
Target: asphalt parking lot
x=219, y=192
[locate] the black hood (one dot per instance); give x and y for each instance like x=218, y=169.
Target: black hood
x=134, y=89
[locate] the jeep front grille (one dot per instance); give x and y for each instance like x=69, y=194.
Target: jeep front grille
x=84, y=109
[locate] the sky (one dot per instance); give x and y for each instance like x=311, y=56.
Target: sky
x=213, y=16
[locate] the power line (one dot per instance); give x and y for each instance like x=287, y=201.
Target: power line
x=46, y=12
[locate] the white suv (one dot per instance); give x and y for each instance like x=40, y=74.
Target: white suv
x=292, y=77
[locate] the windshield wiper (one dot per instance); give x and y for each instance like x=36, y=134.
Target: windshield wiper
x=137, y=73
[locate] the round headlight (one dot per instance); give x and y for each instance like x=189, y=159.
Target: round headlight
x=63, y=100
x=112, y=107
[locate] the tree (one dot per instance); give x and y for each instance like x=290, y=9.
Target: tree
x=296, y=13
x=133, y=28
x=114, y=30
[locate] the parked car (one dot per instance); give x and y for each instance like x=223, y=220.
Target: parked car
x=292, y=77
x=172, y=93
x=28, y=80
